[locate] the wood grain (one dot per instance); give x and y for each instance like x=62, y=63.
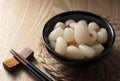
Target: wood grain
x=21, y=22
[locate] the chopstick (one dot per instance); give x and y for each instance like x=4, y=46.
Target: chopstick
x=33, y=69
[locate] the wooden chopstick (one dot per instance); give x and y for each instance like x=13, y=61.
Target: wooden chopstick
x=33, y=69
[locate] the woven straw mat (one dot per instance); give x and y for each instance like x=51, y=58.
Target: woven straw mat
x=108, y=69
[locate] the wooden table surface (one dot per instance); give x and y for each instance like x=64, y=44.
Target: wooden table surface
x=21, y=22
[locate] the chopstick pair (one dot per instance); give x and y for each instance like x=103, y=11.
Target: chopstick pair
x=33, y=69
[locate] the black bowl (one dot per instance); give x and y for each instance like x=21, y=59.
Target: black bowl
x=78, y=15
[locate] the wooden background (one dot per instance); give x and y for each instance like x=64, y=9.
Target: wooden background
x=21, y=22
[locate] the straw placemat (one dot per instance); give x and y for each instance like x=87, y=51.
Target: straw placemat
x=108, y=69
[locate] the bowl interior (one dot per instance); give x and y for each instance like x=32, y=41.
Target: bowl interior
x=78, y=15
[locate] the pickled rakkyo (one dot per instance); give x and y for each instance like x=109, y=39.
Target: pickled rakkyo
x=78, y=39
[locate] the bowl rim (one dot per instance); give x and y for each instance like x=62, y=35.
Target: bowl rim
x=60, y=57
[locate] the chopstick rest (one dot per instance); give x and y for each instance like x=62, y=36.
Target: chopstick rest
x=30, y=67
x=12, y=63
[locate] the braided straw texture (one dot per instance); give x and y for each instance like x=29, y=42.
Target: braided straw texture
x=108, y=69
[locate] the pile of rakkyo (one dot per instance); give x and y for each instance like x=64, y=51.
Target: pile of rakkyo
x=78, y=40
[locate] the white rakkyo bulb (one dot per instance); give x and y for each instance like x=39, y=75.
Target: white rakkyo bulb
x=52, y=44
x=93, y=26
x=74, y=52
x=61, y=46
x=98, y=48
x=68, y=22
x=80, y=34
x=83, y=22
x=88, y=51
x=102, y=36
x=55, y=33
x=68, y=34
x=92, y=35
x=59, y=24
